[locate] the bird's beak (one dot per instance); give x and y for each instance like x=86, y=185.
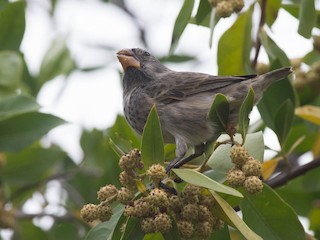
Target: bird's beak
x=127, y=59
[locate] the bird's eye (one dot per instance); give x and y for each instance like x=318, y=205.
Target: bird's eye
x=146, y=54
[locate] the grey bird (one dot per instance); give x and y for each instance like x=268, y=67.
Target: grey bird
x=183, y=99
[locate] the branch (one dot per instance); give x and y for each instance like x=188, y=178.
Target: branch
x=286, y=176
x=65, y=217
x=261, y=24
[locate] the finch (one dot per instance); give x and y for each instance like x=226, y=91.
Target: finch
x=183, y=99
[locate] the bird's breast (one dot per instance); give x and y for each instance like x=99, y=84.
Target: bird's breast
x=136, y=108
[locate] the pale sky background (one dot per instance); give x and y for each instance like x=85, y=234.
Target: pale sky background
x=92, y=100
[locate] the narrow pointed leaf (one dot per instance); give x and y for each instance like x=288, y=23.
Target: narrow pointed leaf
x=12, y=25
x=273, y=7
x=245, y=109
x=270, y=216
x=234, y=47
x=273, y=50
x=11, y=69
x=181, y=23
x=219, y=112
x=13, y=105
x=235, y=219
x=307, y=18
x=199, y=179
x=283, y=121
x=203, y=14
x=22, y=130
x=152, y=146
x=309, y=113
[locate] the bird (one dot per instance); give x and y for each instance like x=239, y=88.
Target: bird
x=183, y=99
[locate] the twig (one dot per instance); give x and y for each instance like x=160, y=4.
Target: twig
x=261, y=24
x=286, y=176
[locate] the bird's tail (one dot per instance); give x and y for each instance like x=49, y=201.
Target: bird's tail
x=265, y=80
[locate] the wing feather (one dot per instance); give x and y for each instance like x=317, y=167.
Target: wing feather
x=179, y=85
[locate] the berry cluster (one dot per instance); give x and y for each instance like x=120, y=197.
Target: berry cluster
x=307, y=79
x=246, y=172
x=224, y=8
x=129, y=164
x=191, y=210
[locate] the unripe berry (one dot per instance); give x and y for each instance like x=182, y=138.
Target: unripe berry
x=89, y=212
x=185, y=228
x=252, y=168
x=124, y=195
x=236, y=177
x=148, y=225
x=224, y=9
x=143, y=208
x=106, y=192
x=131, y=161
x=204, y=214
x=127, y=180
x=158, y=198
x=163, y=223
x=237, y=5
x=239, y=155
x=253, y=185
x=104, y=212
x=203, y=229
x=208, y=201
x=156, y=173
x=175, y=203
x=189, y=212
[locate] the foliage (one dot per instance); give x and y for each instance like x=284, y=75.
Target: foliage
x=290, y=108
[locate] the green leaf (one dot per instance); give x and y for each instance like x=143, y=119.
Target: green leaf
x=271, y=217
x=153, y=236
x=13, y=105
x=203, y=14
x=31, y=165
x=177, y=58
x=12, y=25
x=201, y=180
x=104, y=230
x=272, y=10
x=11, y=69
x=219, y=112
x=311, y=57
x=57, y=61
x=152, y=146
x=235, y=219
x=307, y=18
x=273, y=50
x=234, y=47
x=181, y=23
x=277, y=93
x=123, y=135
x=220, y=160
x=301, y=192
x=133, y=230
x=283, y=121
x=245, y=109
x=22, y=130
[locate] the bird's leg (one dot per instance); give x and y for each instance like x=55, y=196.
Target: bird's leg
x=181, y=149
x=198, y=151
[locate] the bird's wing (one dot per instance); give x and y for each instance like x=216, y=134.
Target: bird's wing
x=179, y=85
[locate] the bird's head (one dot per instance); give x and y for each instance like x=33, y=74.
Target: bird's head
x=141, y=60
